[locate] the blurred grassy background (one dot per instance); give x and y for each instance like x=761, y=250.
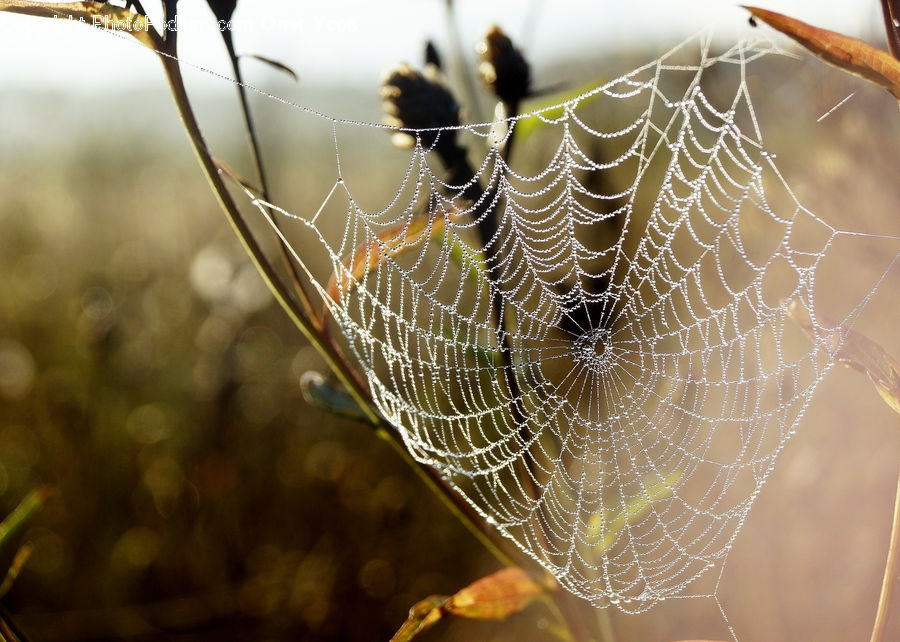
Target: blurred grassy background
x=147, y=375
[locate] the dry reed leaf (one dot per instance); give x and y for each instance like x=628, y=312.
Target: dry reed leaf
x=858, y=352
x=96, y=14
x=842, y=51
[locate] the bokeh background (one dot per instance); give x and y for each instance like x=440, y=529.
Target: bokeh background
x=147, y=375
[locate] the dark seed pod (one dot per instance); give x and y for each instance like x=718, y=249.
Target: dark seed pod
x=503, y=68
x=415, y=100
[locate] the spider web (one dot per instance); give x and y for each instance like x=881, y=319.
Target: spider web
x=609, y=376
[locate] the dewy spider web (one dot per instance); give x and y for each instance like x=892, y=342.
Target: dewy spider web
x=620, y=417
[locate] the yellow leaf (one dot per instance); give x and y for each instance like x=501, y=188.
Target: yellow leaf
x=97, y=14
x=606, y=526
x=842, y=51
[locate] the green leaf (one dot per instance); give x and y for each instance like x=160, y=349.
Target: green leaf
x=605, y=527
x=465, y=256
x=542, y=113
x=334, y=398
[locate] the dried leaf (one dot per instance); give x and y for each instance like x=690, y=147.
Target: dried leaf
x=494, y=597
x=97, y=14
x=858, y=352
x=283, y=68
x=388, y=244
x=863, y=354
x=422, y=616
x=844, y=52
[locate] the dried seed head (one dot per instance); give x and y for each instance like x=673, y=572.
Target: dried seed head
x=415, y=100
x=432, y=57
x=223, y=9
x=503, y=68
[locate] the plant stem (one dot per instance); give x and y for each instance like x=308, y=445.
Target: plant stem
x=890, y=571
x=455, y=503
x=452, y=500
x=256, y=161
x=22, y=514
x=8, y=630
x=226, y=202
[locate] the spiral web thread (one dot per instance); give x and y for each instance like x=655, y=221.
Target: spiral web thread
x=648, y=370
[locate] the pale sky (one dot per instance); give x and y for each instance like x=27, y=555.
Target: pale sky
x=354, y=40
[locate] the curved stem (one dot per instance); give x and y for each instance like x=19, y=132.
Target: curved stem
x=890, y=572
x=256, y=161
x=275, y=284
x=455, y=503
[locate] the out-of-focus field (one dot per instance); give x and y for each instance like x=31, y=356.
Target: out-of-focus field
x=146, y=374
